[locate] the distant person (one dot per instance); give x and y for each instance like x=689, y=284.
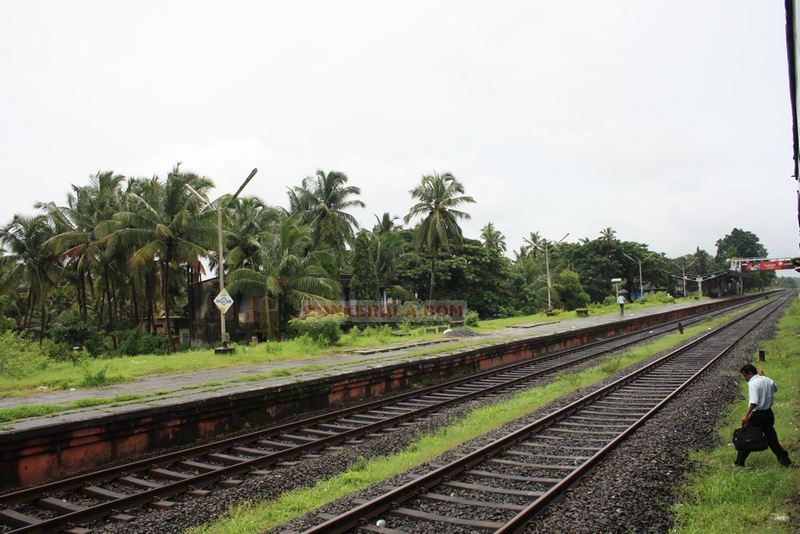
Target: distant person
x=621, y=302
x=761, y=391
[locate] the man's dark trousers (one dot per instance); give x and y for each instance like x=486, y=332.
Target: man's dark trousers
x=765, y=420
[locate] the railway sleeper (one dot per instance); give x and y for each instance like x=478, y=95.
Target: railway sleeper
x=528, y=465
x=160, y=472
x=226, y=459
x=61, y=506
x=250, y=451
x=102, y=493
x=200, y=466
x=429, y=517
x=471, y=502
x=583, y=432
x=16, y=519
x=139, y=482
x=492, y=489
x=503, y=476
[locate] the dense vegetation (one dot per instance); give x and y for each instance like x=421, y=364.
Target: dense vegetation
x=122, y=253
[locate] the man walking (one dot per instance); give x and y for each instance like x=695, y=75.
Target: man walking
x=621, y=302
x=761, y=391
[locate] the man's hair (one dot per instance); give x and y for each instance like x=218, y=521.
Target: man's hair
x=750, y=369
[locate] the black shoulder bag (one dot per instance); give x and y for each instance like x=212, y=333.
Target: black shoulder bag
x=749, y=438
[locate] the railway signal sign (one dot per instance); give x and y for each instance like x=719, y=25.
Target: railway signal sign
x=224, y=301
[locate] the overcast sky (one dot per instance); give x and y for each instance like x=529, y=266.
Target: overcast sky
x=665, y=120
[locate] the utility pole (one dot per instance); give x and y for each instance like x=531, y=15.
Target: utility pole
x=641, y=281
x=223, y=335
x=547, y=267
x=683, y=272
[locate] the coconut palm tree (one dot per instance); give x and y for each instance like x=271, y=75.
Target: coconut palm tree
x=608, y=234
x=288, y=272
x=28, y=262
x=386, y=224
x=532, y=245
x=492, y=238
x=437, y=197
x=75, y=240
x=166, y=227
x=247, y=219
x=322, y=201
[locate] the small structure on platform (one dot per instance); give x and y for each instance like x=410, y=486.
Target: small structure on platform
x=715, y=284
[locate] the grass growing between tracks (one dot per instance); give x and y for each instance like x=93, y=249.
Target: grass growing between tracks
x=763, y=497
x=262, y=516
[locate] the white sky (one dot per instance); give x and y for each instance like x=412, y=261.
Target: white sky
x=666, y=120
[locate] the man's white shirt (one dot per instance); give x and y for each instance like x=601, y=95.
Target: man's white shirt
x=761, y=392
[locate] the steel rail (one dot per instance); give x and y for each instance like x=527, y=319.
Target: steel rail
x=518, y=522
x=26, y=494
x=393, y=498
x=204, y=479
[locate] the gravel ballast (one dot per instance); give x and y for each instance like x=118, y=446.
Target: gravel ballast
x=633, y=488
x=608, y=499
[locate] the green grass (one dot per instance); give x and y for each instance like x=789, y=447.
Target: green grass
x=41, y=410
x=116, y=370
x=265, y=515
x=487, y=326
x=763, y=497
x=104, y=371
x=16, y=413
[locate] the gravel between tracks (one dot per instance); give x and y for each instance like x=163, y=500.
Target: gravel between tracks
x=643, y=501
x=632, y=489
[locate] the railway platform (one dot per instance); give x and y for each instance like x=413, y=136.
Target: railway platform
x=188, y=407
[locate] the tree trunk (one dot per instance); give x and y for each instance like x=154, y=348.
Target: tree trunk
x=41, y=323
x=269, y=317
x=26, y=322
x=82, y=296
x=165, y=285
x=111, y=306
x=134, y=302
x=92, y=292
x=433, y=275
x=279, y=305
x=100, y=309
x=190, y=295
x=150, y=296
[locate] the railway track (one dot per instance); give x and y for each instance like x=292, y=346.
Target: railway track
x=111, y=492
x=501, y=486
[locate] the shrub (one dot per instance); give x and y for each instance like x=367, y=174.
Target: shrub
x=471, y=319
x=325, y=330
x=18, y=356
x=95, y=379
x=270, y=347
x=356, y=332
x=6, y=323
x=133, y=342
x=62, y=352
x=568, y=285
x=76, y=333
x=660, y=297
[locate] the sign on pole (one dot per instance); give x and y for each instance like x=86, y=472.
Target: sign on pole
x=224, y=301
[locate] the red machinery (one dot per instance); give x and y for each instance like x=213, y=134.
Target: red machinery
x=755, y=265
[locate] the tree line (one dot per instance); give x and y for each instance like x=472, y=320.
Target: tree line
x=121, y=252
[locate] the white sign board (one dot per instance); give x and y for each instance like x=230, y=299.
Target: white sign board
x=223, y=301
